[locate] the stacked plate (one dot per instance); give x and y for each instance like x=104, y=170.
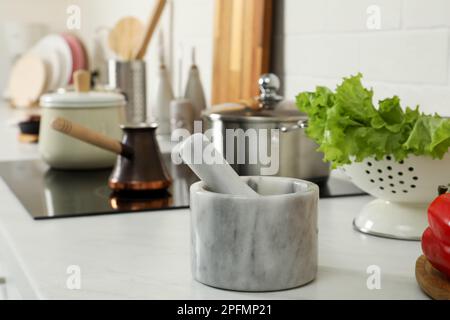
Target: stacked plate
x=61, y=54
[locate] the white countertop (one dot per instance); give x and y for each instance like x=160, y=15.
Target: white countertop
x=147, y=255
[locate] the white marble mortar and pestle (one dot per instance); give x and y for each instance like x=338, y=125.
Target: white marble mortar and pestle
x=249, y=233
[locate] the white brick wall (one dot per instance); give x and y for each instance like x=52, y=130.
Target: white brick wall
x=426, y=13
x=313, y=16
x=322, y=55
x=351, y=15
x=319, y=42
x=193, y=27
x=315, y=42
x=410, y=57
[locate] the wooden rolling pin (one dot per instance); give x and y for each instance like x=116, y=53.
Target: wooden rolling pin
x=92, y=137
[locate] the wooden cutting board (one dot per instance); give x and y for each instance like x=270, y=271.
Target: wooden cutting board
x=27, y=81
x=434, y=283
x=242, y=40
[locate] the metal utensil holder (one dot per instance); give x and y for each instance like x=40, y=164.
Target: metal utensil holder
x=130, y=78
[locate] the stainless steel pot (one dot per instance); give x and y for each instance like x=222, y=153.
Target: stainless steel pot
x=280, y=130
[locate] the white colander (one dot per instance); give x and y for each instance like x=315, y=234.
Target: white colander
x=404, y=190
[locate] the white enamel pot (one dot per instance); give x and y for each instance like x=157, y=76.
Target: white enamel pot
x=99, y=111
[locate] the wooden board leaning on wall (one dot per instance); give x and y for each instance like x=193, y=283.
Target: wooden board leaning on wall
x=242, y=42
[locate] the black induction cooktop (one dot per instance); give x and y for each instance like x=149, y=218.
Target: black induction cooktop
x=47, y=194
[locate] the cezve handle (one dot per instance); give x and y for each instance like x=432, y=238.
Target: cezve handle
x=216, y=173
x=92, y=137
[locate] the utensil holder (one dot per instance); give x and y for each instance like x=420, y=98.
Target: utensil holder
x=267, y=243
x=130, y=78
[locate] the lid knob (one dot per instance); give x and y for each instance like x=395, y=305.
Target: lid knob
x=269, y=82
x=82, y=80
x=269, y=85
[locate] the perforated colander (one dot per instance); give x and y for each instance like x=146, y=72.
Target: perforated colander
x=404, y=190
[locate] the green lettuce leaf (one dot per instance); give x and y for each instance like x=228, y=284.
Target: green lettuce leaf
x=347, y=126
x=430, y=136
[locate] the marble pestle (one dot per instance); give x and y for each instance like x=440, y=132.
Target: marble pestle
x=210, y=166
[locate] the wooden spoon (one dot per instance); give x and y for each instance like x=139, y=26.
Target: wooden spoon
x=125, y=38
x=151, y=26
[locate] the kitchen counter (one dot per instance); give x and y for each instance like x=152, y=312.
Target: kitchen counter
x=147, y=255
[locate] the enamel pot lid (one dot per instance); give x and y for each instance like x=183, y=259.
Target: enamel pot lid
x=82, y=97
x=90, y=99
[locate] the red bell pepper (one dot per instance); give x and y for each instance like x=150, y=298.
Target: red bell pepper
x=437, y=252
x=436, y=239
x=439, y=217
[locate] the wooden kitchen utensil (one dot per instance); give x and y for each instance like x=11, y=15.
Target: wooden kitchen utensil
x=241, y=105
x=90, y=136
x=138, y=167
x=150, y=29
x=433, y=282
x=125, y=38
x=27, y=81
x=243, y=31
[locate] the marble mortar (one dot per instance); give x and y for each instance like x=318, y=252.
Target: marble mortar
x=267, y=243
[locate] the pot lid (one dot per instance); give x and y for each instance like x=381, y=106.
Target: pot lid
x=269, y=107
x=240, y=113
x=75, y=99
